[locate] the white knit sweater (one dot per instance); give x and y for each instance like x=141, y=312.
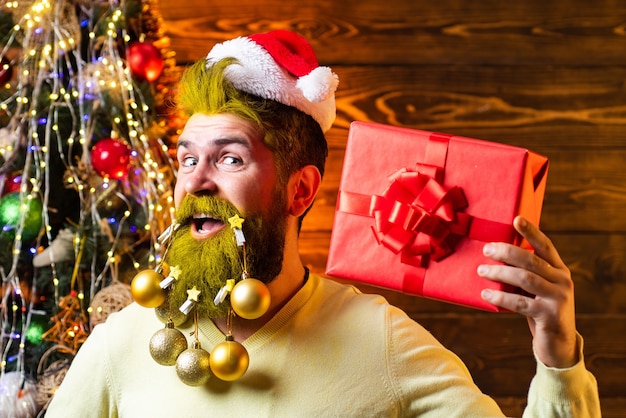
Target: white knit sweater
x=330, y=352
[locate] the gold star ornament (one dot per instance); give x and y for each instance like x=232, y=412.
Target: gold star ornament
x=174, y=272
x=193, y=294
x=236, y=222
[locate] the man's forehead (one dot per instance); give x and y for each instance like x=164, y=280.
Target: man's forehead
x=220, y=129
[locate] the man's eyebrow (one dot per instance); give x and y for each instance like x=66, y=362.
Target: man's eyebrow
x=182, y=143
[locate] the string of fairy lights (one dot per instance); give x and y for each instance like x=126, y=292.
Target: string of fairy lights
x=62, y=82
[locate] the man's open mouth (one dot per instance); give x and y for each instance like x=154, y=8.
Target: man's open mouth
x=203, y=225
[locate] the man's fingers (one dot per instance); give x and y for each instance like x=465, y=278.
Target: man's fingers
x=539, y=241
x=532, y=283
x=510, y=301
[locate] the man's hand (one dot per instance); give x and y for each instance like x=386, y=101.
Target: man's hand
x=550, y=314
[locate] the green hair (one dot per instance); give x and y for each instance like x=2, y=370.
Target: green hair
x=295, y=138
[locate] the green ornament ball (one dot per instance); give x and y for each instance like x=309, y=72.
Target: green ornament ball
x=11, y=210
x=34, y=333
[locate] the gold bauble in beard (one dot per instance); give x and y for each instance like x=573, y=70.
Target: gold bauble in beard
x=250, y=298
x=193, y=366
x=146, y=289
x=165, y=313
x=229, y=360
x=167, y=344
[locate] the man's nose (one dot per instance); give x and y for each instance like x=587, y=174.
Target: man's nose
x=202, y=180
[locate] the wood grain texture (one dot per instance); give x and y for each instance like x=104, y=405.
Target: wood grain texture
x=548, y=76
x=496, y=102
x=579, y=32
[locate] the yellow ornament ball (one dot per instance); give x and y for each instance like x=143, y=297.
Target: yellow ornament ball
x=192, y=366
x=167, y=344
x=229, y=360
x=146, y=290
x=250, y=298
x=165, y=313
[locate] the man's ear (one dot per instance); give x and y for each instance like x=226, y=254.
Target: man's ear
x=302, y=189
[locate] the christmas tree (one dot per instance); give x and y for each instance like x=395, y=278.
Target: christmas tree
x=86, y=177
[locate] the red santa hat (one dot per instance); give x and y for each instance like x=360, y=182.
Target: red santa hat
x=280, y=65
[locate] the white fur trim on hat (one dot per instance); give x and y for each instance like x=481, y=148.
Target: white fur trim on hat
x=258, y=73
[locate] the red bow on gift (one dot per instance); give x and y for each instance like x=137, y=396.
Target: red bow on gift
x=418, y=217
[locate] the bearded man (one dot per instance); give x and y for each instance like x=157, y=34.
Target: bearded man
x=254, y=149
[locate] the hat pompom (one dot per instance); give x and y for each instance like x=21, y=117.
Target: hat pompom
x=318, y=85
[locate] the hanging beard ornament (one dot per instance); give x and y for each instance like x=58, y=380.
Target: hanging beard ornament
x=229, y=359
x=249, y=298
x=167, y=344
x=149, y=287
x=165, y=314
x=192, y=365
x=146, y=289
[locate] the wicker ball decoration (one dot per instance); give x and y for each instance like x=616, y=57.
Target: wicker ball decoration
x=50, y=380
x=110, y=299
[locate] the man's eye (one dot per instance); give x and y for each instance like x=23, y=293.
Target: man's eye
x=189, y=162
x=230, y=160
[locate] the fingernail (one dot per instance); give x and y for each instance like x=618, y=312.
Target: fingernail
x=486, y=294
x=488, y=249
x=482, y=270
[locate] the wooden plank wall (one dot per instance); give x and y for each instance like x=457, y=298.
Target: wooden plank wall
x=546, y=75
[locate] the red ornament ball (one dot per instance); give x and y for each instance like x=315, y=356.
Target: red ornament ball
x=12, y=183
x=145, y=60
x=6, y=71
x=111, y=158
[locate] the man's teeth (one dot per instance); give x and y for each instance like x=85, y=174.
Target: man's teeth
x=201, y=215
x=205, y=223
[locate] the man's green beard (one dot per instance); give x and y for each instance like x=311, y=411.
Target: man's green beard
x=209, y=263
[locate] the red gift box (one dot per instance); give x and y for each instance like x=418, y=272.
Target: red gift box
x=415, y=209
